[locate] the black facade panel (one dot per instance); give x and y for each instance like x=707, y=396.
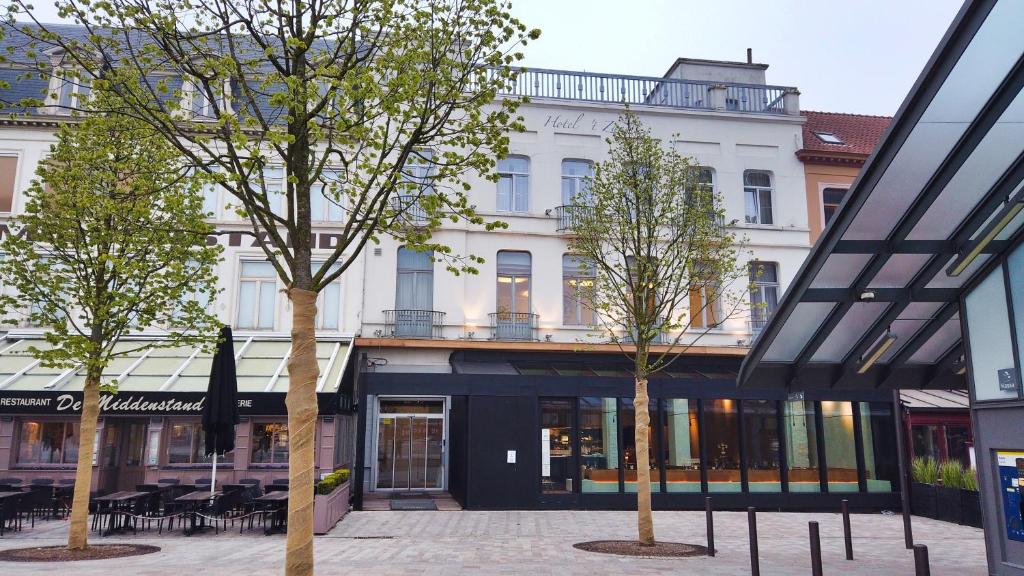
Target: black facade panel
x=458, y=452
x=497, y=425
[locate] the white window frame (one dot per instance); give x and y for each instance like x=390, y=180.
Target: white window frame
x=54, y=97
x=512, y=207
x=757, y=192
x=326, y=205
x=580, y=307
x=761, y=286
x=259, y=282
x=577, y=181
x=321, y=318
x=821, y=196
x=205, y=113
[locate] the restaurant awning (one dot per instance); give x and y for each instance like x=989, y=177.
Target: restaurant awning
x=876, y=304
x=154, y=373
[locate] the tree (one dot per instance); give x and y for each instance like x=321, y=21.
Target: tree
x=373, y=108
x=648, y=230
x=112, y=238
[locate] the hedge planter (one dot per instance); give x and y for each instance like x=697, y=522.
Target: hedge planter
x=971, y=504
x=328, y=509
x=948, y=506
x=922, y=499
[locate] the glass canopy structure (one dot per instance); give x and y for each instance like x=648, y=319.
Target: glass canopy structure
x=877, y=304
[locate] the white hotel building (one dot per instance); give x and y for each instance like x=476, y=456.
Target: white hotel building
x=426, y=387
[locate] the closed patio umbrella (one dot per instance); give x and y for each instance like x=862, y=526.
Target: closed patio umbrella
x=220, y=411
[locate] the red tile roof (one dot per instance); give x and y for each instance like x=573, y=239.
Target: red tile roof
x=859, y=133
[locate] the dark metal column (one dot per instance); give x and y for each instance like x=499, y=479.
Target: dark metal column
x=901, y=455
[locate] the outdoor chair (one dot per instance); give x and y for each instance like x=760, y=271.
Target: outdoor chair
x=227, y=507
x=9, y=488
x=10, y=514
x=279, y=481
x=38, y=502
x=169, y=481
x=42, y=482
x=66, y=481
x=10, y=481
x=147, y=487
x=276, y=488
x=252, y=487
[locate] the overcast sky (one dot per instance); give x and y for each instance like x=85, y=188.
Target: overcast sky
x=858, y=56
x=844, y=55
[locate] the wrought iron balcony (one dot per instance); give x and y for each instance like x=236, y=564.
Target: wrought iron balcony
x=570, y=216
x=649, y=91
x=413, y=323
x=756, y=325
x=513, y=326
x=409, y=210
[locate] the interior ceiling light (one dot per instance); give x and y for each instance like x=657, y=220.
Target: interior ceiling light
x=971, y=252
x=876, y=352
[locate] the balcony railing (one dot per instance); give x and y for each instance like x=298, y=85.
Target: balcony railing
x=756, y=325
x=409, y=210
x=570, y=216
x=649, y=91
x=513, y=326
x=413, y=323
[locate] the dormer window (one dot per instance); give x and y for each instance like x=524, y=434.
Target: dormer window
x=198, y=102
x=69, y=91
x=829, y=138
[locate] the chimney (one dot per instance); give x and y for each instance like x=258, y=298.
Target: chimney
x=750, y=55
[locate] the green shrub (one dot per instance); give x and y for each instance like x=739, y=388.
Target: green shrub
x=969, y=480
x=951, y=472
x=924, y=470
x=331, y=481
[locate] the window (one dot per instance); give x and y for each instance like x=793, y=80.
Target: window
x=513, y=296
x=801, y=446
x=722, y=434
x=194, y=294
x=48, y=442
x=186, y=445
x=705, y=300
x=514, y=184
x=840, y=449
x=414, y=297
x=200, y=104
x=761, y=439
x=831, y=198
x=211, y=200
x=257, y=284
x=578, y=279
x=270, y=443
x=764, y=293
x=575, y=188
x=680, y=445
x=829, y=138
x=72, y=90
x=599, y=445
x=879, y=440
x=328, y=301
x=630, y=464
x=272, y=184
x=757, y=189
x=325, y=201
x=8, y=173
x=992, y=368
x=556, y=432
x=418, y=172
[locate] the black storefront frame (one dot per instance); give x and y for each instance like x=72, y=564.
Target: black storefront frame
x=575, y=387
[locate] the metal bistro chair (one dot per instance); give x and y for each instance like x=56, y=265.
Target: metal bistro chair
x=252, y=487
x=10, y=481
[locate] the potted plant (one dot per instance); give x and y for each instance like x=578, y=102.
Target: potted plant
x=330, y=502
x=925, y=472
x=947, y=495
x=970, y=502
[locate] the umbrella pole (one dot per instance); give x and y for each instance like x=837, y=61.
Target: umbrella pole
x=213, y=480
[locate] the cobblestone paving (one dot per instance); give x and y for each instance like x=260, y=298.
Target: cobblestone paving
x=533, y=543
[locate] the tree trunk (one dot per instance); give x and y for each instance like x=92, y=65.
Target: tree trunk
x=644, y=519
x=78, y=531
x=302, y=412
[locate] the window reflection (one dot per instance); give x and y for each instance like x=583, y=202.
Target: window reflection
x=723, y=445
x=629, y=457
x=801, y=447
x=840, y=449
x=680, y=445
x=879, y=446
x=599, y=445
x=761, y=429
x=556, y=446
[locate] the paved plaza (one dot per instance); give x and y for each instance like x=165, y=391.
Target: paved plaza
x=533, y=543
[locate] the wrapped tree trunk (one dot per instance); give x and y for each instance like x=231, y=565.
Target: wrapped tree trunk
x=645, y=521
x=303, y=371
x=79, y=529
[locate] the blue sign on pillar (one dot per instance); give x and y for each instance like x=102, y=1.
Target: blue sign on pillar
x=1011, y=476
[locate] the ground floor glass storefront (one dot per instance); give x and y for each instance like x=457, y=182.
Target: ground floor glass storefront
x=720, y=445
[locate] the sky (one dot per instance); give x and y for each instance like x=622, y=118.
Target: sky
x=858, y=56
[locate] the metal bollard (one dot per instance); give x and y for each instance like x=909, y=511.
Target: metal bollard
x=847, y=534
x=921, y=567
x=755, y=564
x=815, y=549
x=711, y=526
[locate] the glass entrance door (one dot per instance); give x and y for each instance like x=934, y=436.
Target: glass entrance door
x=410, y=445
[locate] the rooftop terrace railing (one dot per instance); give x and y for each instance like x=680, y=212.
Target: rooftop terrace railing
x=649, y=91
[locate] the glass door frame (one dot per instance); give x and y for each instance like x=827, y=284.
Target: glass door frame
x=443, y=416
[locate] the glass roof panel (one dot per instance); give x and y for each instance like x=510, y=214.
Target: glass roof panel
x=899, y=270
x=840, y=270
x=797, y=331
x=941, y=280
x=848, y=331
x=1011, y=228
x=983, y=168
x=939, y=343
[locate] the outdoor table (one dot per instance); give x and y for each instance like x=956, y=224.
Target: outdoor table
x=193, y=502
x=8, y=507
x=277, y=502
x=113, y=505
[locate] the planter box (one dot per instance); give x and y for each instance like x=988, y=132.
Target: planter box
x=971, y=506
x=330, y=508
x=948, y=506
x=922, y=499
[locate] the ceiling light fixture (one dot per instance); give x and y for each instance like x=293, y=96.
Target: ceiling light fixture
x=880, y=347
x=1002, y=219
